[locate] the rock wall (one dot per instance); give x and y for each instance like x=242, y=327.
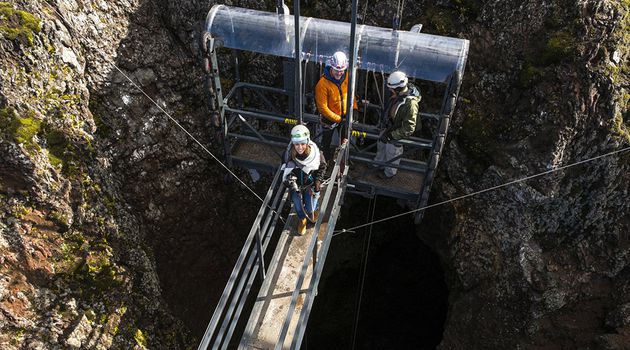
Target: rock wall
x=542, y=263
x=101, y=193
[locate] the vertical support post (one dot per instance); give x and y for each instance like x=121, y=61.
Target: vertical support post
x=217, y=84
x=448, y=106
x=351, y=74
x=218, y=94
x=261, y=258
x=297, y=62
x=237, y=77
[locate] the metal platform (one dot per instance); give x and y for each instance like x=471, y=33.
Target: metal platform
x=406, y=184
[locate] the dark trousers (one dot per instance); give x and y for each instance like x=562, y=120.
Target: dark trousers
x=327, y=135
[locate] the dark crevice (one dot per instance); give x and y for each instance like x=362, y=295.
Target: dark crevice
x=404, y=300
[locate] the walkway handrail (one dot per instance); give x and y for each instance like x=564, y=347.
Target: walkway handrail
x=312, y=247
x=311, y=291
x=252, y=250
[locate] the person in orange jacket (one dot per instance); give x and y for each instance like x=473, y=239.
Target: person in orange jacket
x=331, y=96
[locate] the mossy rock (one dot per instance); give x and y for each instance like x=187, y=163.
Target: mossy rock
x=87, y=266
x=18, y=24
x=57, y=145
x=60, y=220
x=622, y=118
x=140, y=338
x=478, y=140
x=558, y=47
x=439, y=19
x=466, y=9
x=529, y=74
x=20, y=129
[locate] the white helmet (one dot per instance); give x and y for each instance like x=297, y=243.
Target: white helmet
x=300, y=134
x=397, y=80
x=338, y=61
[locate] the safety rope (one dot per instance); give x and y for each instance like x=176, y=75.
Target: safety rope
x=314, y=203
x=364, y=12
x=363, y=272
x=175, y=121
x=351, y=229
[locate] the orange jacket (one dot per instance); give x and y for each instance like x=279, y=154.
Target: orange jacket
x=328, y=97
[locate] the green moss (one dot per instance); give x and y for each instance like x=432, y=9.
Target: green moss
x=18, y=210
x=466, y=9
x=103, y=318
x=20, y=129
x=110, y=203
x=17, y=24
x=59, y=219
x=26, y=129
x=87, y=266
x=440, y=20
x=7, y=114
x=57, y=145
x=622, y=118
x=529, y=74
x=140, y=338
x=621, y=37
x=477, y=139
x=558, y=47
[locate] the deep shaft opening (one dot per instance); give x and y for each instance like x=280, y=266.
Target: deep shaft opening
x=404, y=299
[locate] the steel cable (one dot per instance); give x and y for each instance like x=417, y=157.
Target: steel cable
x=351, y=229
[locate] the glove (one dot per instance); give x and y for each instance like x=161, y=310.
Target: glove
x=385, y=137
x=294, y=186
x=318, y=185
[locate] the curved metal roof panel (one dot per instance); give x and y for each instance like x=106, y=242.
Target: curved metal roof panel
x=419, y=55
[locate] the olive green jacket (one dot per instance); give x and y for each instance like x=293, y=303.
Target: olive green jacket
x=405, y=114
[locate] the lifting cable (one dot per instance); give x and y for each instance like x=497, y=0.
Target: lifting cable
x=366, y=82
x=364, y=12
x=308, y=55
x=378, y=89
x=177, y=123
x=397, y=21
x=363, y=271
x=484, y=190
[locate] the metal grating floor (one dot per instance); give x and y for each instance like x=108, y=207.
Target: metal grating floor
x=404, y=180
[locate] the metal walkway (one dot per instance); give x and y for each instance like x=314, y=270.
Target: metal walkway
x=286, y=289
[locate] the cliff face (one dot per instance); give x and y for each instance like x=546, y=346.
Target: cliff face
x=100, y=193
x=77, y=268
x=543, y=262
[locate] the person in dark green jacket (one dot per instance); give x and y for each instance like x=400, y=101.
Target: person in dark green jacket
x=400, y=116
